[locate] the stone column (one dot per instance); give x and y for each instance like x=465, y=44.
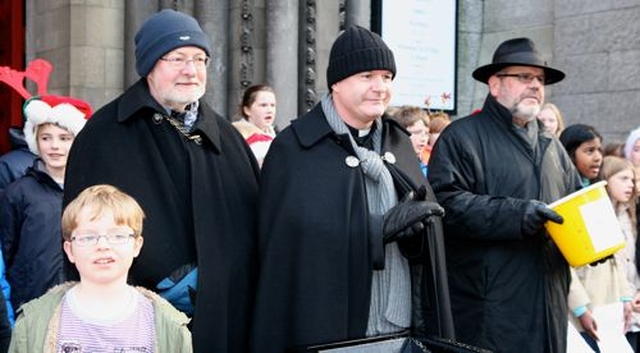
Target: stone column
x=214, y=20
x=282, y=56
x=358, y=13
x=135, y=12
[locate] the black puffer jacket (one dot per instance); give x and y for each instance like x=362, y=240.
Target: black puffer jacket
x=30, y=232
x=508, y=291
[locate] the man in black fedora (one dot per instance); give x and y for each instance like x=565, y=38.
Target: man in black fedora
x=494, y=172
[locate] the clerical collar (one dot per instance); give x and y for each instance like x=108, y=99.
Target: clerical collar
x=363, y=137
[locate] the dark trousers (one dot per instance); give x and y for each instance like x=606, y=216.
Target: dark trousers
x=634, y=340
x=591, y=342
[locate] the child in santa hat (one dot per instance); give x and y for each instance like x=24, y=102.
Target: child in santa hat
x=31, y=207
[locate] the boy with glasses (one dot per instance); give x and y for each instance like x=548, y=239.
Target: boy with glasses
x=102, y=231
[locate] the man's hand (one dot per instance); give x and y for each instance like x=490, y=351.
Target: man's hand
x=409, y=217
x=535, y=215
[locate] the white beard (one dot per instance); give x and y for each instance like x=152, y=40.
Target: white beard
x=526, y=113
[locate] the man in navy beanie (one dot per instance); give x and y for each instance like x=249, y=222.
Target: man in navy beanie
x=342, y=246
x=194, y=176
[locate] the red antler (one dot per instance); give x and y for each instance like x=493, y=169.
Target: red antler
x=37, y=70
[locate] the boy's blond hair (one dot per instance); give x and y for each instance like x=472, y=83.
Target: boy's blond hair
x=101, y=198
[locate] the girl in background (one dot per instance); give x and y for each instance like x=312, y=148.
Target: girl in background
x=620, y=176
x=258, y=111
x=584, y=145
x=632, y=147
x=615, y=279
x=31, y=206
x=551, y=119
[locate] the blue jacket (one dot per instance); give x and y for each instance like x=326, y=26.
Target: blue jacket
x=14, y=163
x=30, y=212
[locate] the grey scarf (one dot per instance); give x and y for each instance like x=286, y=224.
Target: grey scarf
x=390, y=309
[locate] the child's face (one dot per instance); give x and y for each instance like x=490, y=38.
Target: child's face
x=419, y=136
x=104, y=262
x=635, y=154
x=588, y=158
x=54, y=143
x=620, y=185
x=549, y=120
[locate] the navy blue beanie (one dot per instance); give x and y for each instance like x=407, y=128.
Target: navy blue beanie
x=164, y=32
x=356, y=50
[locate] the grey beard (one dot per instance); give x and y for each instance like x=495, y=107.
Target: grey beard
x=523, y=115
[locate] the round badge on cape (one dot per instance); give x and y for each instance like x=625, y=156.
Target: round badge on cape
x=352, y=161
x=389, y=158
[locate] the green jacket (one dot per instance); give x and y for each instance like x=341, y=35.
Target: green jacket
x=38, y=321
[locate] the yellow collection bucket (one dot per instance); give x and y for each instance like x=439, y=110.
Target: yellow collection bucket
x=591, y=230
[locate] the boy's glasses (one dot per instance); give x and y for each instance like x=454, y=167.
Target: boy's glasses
x=93, y=239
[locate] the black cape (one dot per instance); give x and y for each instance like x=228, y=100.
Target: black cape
x=319, y=245
x=200, y=204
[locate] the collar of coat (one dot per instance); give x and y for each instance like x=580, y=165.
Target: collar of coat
x=138, y=98
x=493, y=108
x=313, y=127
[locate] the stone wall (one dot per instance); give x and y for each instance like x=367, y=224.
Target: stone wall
x=595, y=42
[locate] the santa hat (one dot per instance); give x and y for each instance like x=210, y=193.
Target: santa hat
x=65, y=112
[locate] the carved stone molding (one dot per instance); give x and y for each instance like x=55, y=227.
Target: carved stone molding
x=310, y=70
x=246, y=44
x=342, y=9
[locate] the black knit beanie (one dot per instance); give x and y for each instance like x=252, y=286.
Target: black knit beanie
x=164, y=32
x=356, y=50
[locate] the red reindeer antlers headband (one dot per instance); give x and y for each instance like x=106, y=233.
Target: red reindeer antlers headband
x=37, y=71
x=66, y=112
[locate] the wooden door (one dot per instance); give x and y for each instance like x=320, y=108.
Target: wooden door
x=12, y=34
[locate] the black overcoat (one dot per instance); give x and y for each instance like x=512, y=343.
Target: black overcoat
x=319, y=245
x=508, y=292
x=199, y=199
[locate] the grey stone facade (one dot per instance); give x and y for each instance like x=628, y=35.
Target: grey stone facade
x=285, y=43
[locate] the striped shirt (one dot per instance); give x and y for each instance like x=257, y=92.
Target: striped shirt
x=134, y=331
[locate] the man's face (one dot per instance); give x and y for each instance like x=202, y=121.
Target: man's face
x=179, y=78
x=363, y=97
x=511, y=89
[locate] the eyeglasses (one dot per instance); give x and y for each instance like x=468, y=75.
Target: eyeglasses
x=93, y=239
x=178, y=63
x=525, y=77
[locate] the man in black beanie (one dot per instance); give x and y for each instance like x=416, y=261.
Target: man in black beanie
x=192, y=173
x=342, y=257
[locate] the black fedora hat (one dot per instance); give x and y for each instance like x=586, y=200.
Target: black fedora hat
x=517, y=52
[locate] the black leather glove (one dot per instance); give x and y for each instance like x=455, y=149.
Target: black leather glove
x=536, y=214
x=409, y=217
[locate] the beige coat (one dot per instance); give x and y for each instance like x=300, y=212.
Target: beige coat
x=594, y=286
